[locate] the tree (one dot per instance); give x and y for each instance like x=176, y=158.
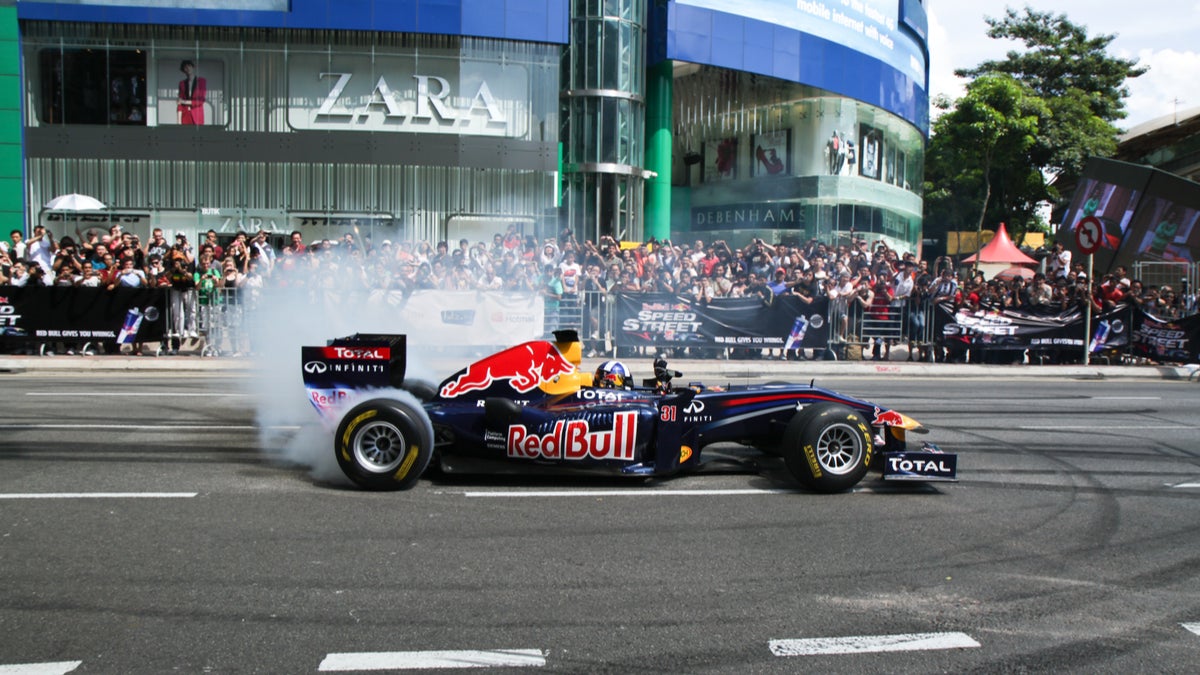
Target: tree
x=979, y=148
x=1083, y=86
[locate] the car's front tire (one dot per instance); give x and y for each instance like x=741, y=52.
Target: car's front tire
x=828, y=447
x=384, y=444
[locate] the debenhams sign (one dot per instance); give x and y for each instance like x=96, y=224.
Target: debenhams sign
x=432, y=95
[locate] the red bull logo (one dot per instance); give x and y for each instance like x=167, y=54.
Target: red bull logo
x=889, y=418
x=524, y=367
x=574, y=440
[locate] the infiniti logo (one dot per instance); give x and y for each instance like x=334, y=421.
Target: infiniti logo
x=694, y=407
x=316, y=367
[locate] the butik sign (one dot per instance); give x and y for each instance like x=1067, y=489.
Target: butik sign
x=432, y=95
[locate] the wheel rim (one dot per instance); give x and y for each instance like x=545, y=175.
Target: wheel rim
x=379, y=447
x=840, y=448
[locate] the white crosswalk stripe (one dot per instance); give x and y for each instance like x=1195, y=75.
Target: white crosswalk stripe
x=871, y=643
x=490, y=658
x=49, y=668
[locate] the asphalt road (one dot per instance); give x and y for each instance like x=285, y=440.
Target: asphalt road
x=149, y=525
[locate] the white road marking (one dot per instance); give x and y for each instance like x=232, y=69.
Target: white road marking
x=872, y=643
x=55, y=668
x=1187, y=485
x=97, y=495
x=147, y=427
x=627, y=493
x=1088, y=427
x=154, y=394
x=491, y=658
x=1192, y=627
x=1126, y=398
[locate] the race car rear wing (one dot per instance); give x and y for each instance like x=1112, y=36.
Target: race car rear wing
x=352, y=363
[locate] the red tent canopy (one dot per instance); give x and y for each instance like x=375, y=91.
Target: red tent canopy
x=1001, y=250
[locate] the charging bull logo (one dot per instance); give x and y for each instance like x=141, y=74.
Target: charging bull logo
x=524, y=367
x=574, y=440
x=889, y=418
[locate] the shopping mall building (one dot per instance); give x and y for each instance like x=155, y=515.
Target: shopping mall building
x=447, y=119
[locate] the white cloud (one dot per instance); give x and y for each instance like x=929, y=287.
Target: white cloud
x=1168, y=87
x=1163, y=40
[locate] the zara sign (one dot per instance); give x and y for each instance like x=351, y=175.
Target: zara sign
x=435, y=95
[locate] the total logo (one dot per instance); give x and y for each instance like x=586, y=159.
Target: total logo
x=921, y=466
x=357, y=353
x=574, y=440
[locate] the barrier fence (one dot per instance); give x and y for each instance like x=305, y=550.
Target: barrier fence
x=219, y=323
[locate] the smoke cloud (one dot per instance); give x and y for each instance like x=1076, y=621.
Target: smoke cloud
x=277, y=322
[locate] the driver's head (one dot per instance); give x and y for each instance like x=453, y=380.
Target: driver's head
x=612, y=375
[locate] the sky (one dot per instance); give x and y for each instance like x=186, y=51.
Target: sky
x=1160, y=34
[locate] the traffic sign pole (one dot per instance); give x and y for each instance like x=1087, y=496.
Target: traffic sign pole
x=1087, y=317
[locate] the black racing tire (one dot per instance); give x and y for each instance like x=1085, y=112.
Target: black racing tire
x=424, y=390
x=384, y=444
x=828, y=447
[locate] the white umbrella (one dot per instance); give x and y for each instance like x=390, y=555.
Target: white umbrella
x=75, y=202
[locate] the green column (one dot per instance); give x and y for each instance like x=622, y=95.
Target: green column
x=12, y=191
x=659, y=83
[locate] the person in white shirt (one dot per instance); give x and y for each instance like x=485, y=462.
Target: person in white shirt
x=41, y=249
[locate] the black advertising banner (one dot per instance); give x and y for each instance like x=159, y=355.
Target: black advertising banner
x=53, y=314
x=1167, y=340
x=662, y=319
x=1123, y=328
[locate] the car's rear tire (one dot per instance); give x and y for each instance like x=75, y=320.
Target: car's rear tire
x=424, y=390
x=384, y=444
x=828, y=447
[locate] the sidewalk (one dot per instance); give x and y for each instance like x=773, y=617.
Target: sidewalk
x=693, y=370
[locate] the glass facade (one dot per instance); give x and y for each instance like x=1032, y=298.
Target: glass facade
x=603, y=118
x=736, y=126
x=762, y=157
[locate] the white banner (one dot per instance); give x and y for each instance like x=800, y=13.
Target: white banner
x=466, y=318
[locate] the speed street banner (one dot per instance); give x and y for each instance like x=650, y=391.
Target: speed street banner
x=664, y=319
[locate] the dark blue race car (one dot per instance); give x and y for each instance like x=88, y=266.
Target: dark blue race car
x=529, y=409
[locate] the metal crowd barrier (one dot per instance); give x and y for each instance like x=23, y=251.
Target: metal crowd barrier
x=215, y=320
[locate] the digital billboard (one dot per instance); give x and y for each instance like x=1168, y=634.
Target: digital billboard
x=1148, y=215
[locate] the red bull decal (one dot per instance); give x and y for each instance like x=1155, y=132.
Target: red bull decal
x=524, y=367
x=574, y=440
x=889, y=418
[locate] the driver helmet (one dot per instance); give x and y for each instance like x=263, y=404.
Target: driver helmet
x=611, y=375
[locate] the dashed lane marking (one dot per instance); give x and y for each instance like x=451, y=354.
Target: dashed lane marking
x=97, y=495
x=491, y=658
x=1191, y=627
x=147, y=428
x=54, y=668
x=625, y=493
x=872, y=643
x=149, y=394
x=1089, y=427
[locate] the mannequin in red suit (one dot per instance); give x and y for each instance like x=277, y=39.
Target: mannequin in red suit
x=192, y=91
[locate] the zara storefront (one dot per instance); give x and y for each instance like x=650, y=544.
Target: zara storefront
x=447, y=119
x=310, y=115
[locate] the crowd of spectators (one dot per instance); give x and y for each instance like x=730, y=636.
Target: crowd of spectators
x=869, y=275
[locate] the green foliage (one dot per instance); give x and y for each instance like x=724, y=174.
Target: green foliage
x=1027, y=122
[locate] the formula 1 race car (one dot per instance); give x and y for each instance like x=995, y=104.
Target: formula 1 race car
x=529, y=409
